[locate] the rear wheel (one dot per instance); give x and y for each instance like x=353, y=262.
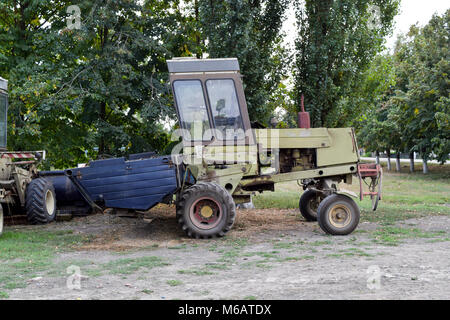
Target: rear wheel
x=40, y=201
x=309, y=203
x=338, y=215
x=206, y=210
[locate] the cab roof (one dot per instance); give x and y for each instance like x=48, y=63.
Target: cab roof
x=188, y=65
x=3, y=84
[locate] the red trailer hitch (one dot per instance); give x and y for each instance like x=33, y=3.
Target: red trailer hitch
x=374, y=173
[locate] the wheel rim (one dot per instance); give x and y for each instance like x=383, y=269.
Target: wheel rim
x=205, y=213
x=49, y=202
x=340, y=216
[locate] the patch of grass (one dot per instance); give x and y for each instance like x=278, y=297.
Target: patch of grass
x=283, y=245
x=250, y=298
x=25, y=254
x=351, y=252
x=438, y=240
x=392, y=236
x=196, y=272
x=237, y=243
x=271, y=254
x=147, y=291
x=36, y=245
x=4, y=295
x=320, y=243
x=280, y=200
x=219, y=266
x=131, y=265
x=181, y=246
x=174, y=283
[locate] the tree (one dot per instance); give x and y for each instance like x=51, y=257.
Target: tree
x=101, y=89
x=413, y=114
x=250, y=31
x=337, y=39
x=422, y=91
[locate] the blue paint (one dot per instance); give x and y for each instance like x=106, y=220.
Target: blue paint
x=119, y=183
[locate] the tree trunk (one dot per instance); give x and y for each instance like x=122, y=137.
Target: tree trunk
x=411, y=162
x=425, y=166
x=388, y=153
x=397, y=162
x=197, y=35
x=377, y=157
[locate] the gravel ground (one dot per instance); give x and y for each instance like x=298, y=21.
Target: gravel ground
x=270, y=254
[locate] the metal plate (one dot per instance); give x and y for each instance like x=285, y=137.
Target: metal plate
x=202, y=65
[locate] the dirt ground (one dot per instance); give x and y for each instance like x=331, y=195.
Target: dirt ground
x=269, y=254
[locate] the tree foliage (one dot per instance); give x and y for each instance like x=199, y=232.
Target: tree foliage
x=412, y=115
x=250, y=31
x=337, y=39
x=99, y=90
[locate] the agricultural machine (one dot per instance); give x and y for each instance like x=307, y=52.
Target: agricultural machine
x=20, y=187
x=221, y=161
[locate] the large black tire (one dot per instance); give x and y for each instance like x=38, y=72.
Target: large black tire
x=308, y=204
x=40, y=202
x=338, y=215
x=206, y=210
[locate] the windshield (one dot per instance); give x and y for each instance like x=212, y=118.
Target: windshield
x=3, y=128
x=192, y=108
x=225, y=108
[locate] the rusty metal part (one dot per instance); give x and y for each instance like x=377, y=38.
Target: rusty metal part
x=374, y=172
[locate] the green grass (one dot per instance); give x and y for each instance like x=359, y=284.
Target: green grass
x=131, y=265
x=405, y=195
x=174, y=283
x=26, y=254
x=196, y=272
x=393, y=236
x=147, y=291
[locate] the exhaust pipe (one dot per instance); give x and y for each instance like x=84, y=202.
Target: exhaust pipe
x=303, y=119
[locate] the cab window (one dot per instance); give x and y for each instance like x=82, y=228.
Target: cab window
x=192, y=109
x=225, y=108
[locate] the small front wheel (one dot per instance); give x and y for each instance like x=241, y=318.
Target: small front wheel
x=338, y=215
x=206, y=210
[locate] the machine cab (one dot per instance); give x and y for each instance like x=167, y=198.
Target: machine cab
x=210, y=101
x=3, y=112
